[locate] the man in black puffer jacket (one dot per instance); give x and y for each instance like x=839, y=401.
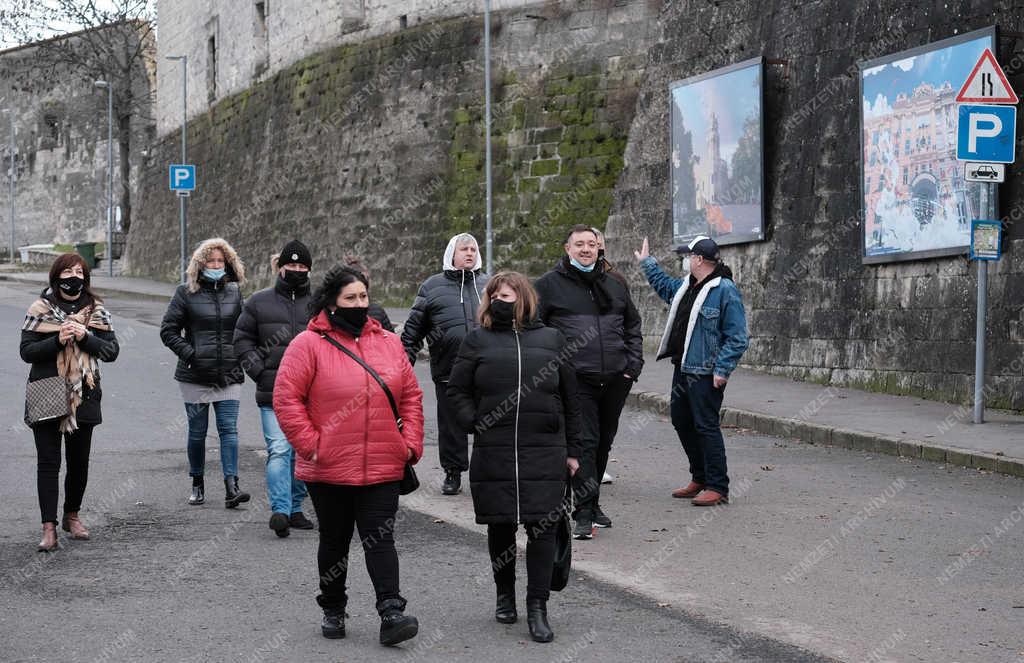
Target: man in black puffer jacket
x=595, y=313
x=445, y=311
x=270, y=320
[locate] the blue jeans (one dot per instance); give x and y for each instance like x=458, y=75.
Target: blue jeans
x=284, y=490
x=695, y=406
x=226, y=415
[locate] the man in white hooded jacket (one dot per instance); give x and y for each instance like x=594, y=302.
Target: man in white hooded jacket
x=442, y=314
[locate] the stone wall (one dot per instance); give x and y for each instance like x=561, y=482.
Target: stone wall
x=255, y=39
x=376, y=148
x=60, y=150
x=815, y=312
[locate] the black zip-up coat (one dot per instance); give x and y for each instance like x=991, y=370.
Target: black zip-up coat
x=517, y=472
x=270, y=319
x=41, y=350
x=206, y=353
x=610, y=342
x=443, y=313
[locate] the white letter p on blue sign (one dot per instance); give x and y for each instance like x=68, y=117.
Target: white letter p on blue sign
x=986, y=133
x=182, y=177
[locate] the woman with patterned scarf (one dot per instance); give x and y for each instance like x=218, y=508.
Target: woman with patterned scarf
x=66, y=334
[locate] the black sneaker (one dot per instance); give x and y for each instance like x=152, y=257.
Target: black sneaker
x=333, y=624
x=299, y=520
x=584, y=529
x=279, y=523
x=452, y=483
x=601, y=520
x=396, y=627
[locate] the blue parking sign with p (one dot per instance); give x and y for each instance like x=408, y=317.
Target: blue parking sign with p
x=182, y=177
x=986, y=132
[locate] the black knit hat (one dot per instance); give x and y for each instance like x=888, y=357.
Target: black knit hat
x=295, y=251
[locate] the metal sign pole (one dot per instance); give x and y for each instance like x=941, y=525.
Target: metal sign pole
x=979, y=333
x=14, y=178
x=184, y=131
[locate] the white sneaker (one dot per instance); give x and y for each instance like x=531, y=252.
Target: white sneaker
x=607, y=478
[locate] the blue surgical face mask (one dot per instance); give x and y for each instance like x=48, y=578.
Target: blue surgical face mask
x=582, y=268
x=214, y=274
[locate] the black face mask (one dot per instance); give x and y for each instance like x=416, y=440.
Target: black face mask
x=295, y=278
x=351, y=319
x=502, y=312
x=71, y=286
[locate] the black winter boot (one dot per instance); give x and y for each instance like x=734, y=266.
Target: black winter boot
x=452, y=483
x=233, y=496
x=395, y=625
x=537, y=619
x=333, y=624
x=198, y=495
x=505, y=608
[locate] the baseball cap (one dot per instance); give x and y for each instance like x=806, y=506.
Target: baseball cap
x=702, y=246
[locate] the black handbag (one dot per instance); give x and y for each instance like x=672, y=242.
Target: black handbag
x=563, y=541
x=410, y=481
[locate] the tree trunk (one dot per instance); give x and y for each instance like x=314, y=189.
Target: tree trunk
x=124, y=138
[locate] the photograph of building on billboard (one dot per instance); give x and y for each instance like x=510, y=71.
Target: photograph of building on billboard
x=915, y=201
x=717, y=160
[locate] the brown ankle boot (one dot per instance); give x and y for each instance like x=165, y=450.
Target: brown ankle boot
x=49, y=541
x=74, y=525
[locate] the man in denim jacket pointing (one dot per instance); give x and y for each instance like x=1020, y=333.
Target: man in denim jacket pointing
x=705, y=336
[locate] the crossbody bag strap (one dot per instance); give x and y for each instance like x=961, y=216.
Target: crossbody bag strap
x=373, y=374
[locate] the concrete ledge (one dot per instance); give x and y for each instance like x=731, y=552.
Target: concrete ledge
x=811, y=433
x=98, y=289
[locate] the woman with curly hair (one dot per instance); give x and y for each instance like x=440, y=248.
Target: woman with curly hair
x=333, y=405
x=66, y=334
x=199, y=328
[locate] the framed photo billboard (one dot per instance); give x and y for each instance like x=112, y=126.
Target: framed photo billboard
x=915, y=203
x=717, y=155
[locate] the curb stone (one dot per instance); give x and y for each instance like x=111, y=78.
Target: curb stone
x=824, y=435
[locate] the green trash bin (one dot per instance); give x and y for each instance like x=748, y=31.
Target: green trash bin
x=88, y=252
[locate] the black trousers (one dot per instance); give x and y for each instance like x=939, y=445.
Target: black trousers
x=371, y=509
x=540, y=557
x=76, y=451
x=601, y=400
x=452, y=443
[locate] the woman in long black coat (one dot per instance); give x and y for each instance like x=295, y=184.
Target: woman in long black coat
x=511, y=387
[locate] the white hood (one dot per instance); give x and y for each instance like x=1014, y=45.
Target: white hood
x=449, y=253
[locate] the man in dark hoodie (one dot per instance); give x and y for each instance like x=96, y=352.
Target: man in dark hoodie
x=705, y=336
x=269, y=321
x=596, y=314
x=443, y=313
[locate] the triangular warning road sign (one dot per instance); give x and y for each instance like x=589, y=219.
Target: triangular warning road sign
x=987, y=83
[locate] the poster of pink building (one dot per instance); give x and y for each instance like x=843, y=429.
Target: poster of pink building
x=916, y=203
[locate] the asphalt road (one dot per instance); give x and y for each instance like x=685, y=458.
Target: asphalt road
x=161, y=581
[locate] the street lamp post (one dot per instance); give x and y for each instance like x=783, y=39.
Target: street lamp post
x=13, y=175
x=183, y=227
x=110, y=173
x=487, y=132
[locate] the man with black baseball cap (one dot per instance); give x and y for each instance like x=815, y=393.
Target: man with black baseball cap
x=270, y=319
x=705, y=336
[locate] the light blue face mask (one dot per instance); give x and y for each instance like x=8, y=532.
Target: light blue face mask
x=582, y=268
x=214, y=274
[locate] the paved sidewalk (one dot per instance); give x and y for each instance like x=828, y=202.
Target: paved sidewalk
x=779, y=406
x=854, y=419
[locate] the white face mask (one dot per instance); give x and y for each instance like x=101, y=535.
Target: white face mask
x=686, y=265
